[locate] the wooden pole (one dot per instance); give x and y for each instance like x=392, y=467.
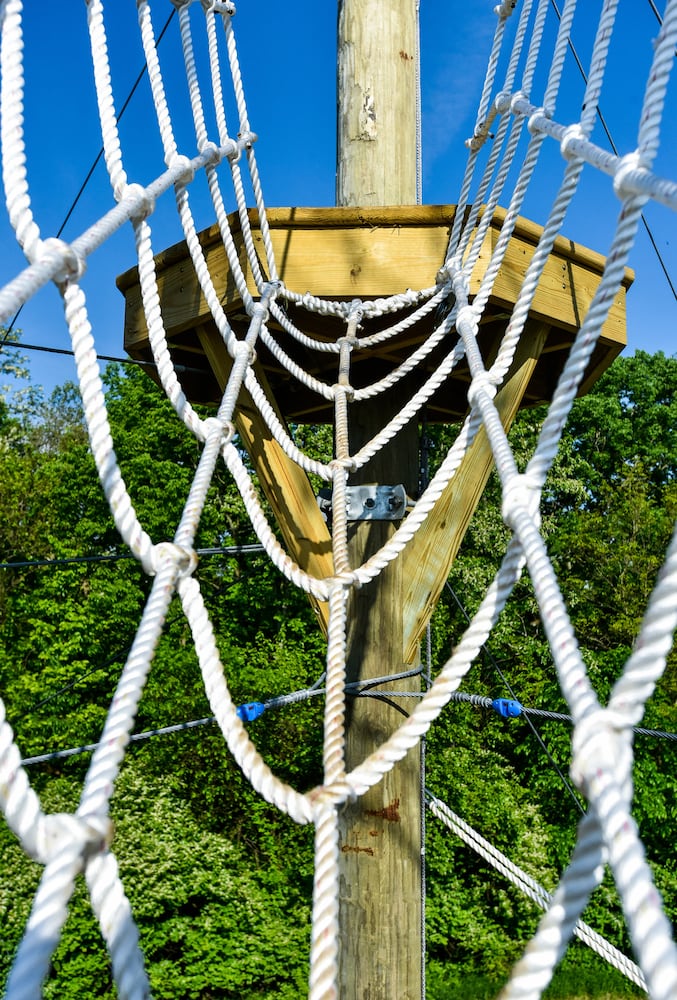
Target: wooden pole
x=380, y=904
x=377, y=84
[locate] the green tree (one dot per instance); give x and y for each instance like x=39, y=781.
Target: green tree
x=608, y=513
x=64, y=634
x=630, y=417
x=204, y=860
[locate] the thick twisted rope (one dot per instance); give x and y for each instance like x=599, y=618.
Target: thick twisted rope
x=531, y=888
x=602, y=759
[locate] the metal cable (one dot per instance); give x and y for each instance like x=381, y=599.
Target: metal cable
x=19, y=345
x=294, y=697
x=227, y=550
x=535, y=731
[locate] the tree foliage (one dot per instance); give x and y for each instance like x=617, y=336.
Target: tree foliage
x=220, y=882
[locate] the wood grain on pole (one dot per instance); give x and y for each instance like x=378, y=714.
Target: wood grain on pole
x=380, y=903
x=380, y=835
x=377, y=80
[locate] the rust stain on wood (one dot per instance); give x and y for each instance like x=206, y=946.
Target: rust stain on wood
x=356, y=849
x=390, y=813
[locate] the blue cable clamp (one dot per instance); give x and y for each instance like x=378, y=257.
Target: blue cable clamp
x=507, y=707
x=250, y=711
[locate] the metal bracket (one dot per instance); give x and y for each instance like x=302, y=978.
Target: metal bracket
x=369, y=503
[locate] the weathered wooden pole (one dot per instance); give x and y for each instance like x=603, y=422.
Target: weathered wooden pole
x=380, y=951
x=377, y=89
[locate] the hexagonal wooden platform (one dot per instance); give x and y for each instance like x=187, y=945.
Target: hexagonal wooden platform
x=347, y=253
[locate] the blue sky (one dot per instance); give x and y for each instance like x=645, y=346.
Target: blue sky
x=288, y=58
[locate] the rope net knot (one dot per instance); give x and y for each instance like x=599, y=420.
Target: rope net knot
x=222, y=430
x=64, y=833
x=138, y=201
x=630, y=177
x=181, y=166
x=572, y=137
x=164, y=554
x=483, y=386
x=521, y=495
x=71, y=265
x=602, y=744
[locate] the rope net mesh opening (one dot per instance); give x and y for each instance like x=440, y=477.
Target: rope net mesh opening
x=523, y=120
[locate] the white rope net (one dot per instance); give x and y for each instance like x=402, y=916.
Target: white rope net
x=518, y=113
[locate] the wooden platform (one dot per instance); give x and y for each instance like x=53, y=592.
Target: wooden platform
x=347, y=253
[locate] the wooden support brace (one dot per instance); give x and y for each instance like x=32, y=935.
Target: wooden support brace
x=428, y=561
x=286, y=486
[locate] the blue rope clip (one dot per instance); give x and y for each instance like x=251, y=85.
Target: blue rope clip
x=506, y=707
x=250, y=711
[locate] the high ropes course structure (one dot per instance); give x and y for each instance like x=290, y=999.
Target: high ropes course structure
x=465, y=316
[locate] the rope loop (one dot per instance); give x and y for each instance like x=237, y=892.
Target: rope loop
x=349, y=578
x=234, y=153
x=211, y=152
x=502, y=102
x=477, y=141
x=630, y=169
x=505, y=9
x=446, y=273
x=140, y=202
x=74, y=266
x=467, y=320
x=601, y=743
x=517, y=98
x=226, y=429
x=244, y=350
x=340, y=464
x=347, y=390
x=185, y=171
x=573, y=133
x=219, y=7
x=338, y=793
x=59, y=832
x=536, y=119
x=260, y=311
x=481, y=383
x=185, y=560
x=521, y=493
x=337, y=584
x=460, y=286
x=348, y=341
